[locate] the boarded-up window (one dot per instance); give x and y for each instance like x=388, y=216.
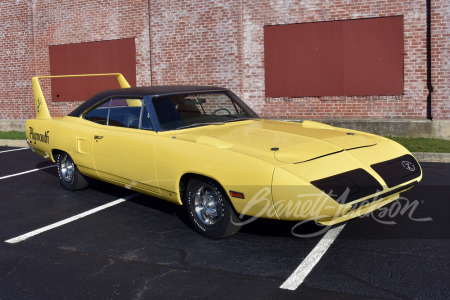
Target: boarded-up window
x=115, y=56
x=339, y=58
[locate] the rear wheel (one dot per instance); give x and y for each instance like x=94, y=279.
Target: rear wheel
x=69, y=176
x=209, y=210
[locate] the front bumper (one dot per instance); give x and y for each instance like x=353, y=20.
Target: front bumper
x=367, y=206
x=345, y=185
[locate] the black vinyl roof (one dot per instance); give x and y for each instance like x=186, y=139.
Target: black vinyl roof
x=141, y=92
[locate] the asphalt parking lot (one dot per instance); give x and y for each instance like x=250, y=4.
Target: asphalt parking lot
x=144, y=248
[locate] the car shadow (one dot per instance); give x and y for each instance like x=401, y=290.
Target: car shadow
x=279, y=228
x=257, y=227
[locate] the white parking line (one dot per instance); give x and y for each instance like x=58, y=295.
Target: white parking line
x=13, y=150
x=296, y=278
x=26, y=172
x=68, y=220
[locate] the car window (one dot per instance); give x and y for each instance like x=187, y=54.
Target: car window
x=187, y=110
x=99, y=114
x=146, y=122
x=209, y=104
x=121, y=112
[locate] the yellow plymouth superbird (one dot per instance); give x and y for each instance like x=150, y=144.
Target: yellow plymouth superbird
x=204, y=148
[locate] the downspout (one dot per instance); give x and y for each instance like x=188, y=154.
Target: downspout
x=429, y=85
x=150, y=43
x=33, y=37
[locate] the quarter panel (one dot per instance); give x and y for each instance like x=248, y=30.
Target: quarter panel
x=67, y=134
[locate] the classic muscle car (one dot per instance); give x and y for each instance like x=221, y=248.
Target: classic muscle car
x=204, y=148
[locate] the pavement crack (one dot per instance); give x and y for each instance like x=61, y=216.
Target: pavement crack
x=369, y=282
x=147, y=284
x=102, y=269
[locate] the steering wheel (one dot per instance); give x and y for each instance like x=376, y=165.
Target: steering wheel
x=219, y=109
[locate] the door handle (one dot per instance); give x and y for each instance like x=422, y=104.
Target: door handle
x=98, y=137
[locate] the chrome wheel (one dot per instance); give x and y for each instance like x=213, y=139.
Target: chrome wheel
x=67, y=168
x=69, y=176
x=207, y=205
x=209, y=209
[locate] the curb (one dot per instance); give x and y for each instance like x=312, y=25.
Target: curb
x=421, y=156
x=432, y=157
x=13, y=143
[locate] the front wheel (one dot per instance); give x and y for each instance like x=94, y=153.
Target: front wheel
x=71, y=179
x=209, y=210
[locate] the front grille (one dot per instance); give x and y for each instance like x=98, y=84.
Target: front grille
x=398, y=170
x=349, y=186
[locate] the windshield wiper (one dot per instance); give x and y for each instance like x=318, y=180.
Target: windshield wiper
x=199, y=124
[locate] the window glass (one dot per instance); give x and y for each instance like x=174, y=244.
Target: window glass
x=146, y=122
x=190, y=110
x=120, y=112
x=125, y=112
x=99, y=114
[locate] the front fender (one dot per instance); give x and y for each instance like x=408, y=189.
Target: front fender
x=232, y=170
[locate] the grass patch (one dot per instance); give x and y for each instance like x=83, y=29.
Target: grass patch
x=12, y=135
x=423, y=144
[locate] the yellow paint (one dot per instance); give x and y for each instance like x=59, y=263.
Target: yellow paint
x=270, y=162
x=42, y=111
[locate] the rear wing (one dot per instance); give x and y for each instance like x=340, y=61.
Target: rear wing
x=42, y=111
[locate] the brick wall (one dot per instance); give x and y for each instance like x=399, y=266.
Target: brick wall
x=16, y=60
x=38, y=24
x=411, y=105
x=197, y=42
x=217, y=42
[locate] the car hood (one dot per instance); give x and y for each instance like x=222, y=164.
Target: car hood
x=286, y=142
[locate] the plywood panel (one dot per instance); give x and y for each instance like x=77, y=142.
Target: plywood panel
x=115, y=56
x=339, y=58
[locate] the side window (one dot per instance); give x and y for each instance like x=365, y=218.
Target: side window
x=121, y=112
x=146, y=122
x=99, y=114
x=125, y=112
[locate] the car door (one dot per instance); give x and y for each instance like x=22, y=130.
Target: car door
x=124, y=148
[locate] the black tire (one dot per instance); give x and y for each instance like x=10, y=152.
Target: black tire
x=71, y=179
x=209, y=209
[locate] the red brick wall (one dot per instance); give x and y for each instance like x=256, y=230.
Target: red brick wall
x=411, y=105
x=16, y=60
x=197, y=42
x=63, y=22
x=217, y=43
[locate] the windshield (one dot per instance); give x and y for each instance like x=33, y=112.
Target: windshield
x=200, y=109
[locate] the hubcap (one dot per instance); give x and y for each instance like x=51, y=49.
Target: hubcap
x=67, y=168
x=207, y=205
